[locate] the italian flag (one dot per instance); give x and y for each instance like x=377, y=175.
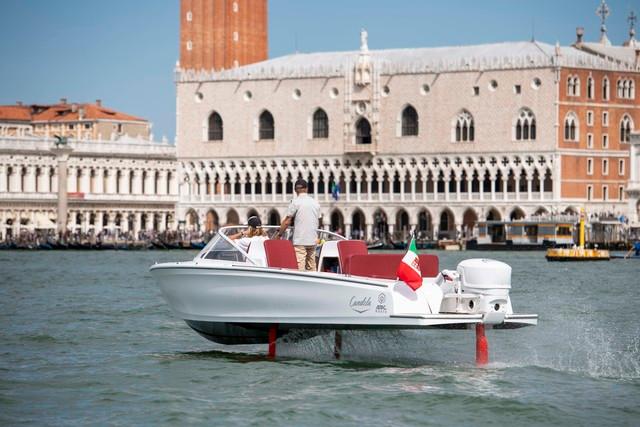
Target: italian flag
x=409, y=268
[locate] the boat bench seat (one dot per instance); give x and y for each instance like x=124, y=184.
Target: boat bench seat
x=385, y=266
x=349, y=248
x=280, y=254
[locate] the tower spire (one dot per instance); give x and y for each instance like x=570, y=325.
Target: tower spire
x=603, y=12
x=632, y=18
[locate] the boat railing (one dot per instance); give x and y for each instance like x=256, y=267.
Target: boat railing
x=222, y=239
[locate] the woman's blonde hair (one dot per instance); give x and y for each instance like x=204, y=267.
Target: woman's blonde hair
x=256, y=231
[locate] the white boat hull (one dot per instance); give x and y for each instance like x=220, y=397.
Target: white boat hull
x=234, y=303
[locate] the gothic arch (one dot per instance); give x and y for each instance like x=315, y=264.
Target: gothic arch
x=337, y=221
x=232, y=217
x=517, y=213
x=363, y=131
x=463, y=127
x=266, y=126
x=320, y=124
x=215, y=127
x=469, y=220
x=409, y=121
x=447, y=225
x=493, y=214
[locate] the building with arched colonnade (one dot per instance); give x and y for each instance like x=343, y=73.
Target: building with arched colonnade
x=432, y=139
x=121, y=186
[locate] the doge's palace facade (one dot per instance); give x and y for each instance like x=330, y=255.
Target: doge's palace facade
x=116, y=186
x=434, y=139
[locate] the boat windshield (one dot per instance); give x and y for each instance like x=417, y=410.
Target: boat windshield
x=221, y=247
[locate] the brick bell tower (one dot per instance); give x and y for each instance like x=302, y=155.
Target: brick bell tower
x=222, y=34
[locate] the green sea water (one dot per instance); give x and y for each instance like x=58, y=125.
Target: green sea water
x=86, y=339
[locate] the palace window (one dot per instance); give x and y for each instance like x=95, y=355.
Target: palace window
x=589, y=140
x=626, y=89
x=571, y=127
x=573, y=86
x=409, y=121
x=605, y=192
x=621, y=167
x=215, y=127
x=363, y=131
x=626, y=126
x=589, y=118
x=525, y=129
x=320, y=124
x=605, y=167
x=589, y=166
x=605, y=141
x=267, y=127
x=621, y=193
x=590, y=88
x=605, y=88
x=464, y=127
x=605, y=118
x=589, y=192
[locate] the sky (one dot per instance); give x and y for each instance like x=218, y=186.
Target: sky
x=124, y=51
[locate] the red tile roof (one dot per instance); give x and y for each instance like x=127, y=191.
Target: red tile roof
x=15, y=113
x=62, y=113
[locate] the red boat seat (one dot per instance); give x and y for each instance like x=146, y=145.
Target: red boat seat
x=385, y=266
x=280, y=254
x=349, y=248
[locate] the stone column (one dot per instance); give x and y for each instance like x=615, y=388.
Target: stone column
x=150, y=219
x=3, y=181
x=85, y=183
x=162, y=182
x=111, y=181
x=137, y=182
x=137, y=223
x=457, y=178
x=202, y=187
x=147, y=184
x=446, y=186
x=347, y=190
x=163, y=222
x=123, y=182
x=30, y=180
x=504, y=188
x=99, y=181
x=529, y=187
x=493, y=180
x=347, y=230
x=14, y=180
x=368, y=230
x=62, y=156
x=72, y=180
x=556, y=173
x=470, y=189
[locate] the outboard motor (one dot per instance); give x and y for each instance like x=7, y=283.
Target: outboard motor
x=482, y=288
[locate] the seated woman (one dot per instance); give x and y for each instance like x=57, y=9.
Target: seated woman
x=254, y=232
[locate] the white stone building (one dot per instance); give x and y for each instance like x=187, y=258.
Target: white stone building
x=433, y=139
x=126, y=185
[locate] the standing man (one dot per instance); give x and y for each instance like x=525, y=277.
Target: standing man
x=304, y=212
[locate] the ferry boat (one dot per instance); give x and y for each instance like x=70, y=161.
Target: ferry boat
x=230, y=296
x=533, y=234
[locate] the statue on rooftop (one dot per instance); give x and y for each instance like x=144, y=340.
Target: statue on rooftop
x=364, y=36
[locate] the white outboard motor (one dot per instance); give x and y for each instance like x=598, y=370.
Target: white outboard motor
x=482, y=288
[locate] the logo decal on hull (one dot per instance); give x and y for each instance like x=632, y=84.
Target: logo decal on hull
x=381, y=307
x=360, y=305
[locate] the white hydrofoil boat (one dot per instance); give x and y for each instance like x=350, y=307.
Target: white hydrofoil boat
x=231, y=296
